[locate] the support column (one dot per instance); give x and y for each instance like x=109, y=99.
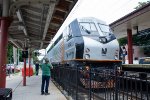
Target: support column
x=130, y=48
x=3, y=50
x=25, y=56
x=29, y=63
x=24, y=76
x=4, y=22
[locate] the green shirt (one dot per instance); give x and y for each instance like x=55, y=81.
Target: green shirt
x=46, y=69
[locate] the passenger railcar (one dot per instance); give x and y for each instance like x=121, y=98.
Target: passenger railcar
x=87, y=43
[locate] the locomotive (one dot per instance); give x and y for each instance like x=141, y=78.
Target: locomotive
x=88, y=43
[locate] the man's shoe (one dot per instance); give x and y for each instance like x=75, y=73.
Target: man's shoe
x=47, y=93
x=42, y=93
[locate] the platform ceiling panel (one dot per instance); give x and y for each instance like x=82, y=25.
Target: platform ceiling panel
x=35, y=22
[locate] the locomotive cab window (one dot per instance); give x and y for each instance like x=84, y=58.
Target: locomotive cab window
x=105, y=29
x=68, y=33
x=106, y=32
x=88, y=27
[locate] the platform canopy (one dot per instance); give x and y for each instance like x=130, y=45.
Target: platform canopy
x=137, y=20
x=35, y=22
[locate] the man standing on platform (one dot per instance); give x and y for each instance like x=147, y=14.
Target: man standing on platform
x=124, y=53
x=46, y=73
x=37, y=68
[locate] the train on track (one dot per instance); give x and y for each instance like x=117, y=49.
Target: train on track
x=89, y=44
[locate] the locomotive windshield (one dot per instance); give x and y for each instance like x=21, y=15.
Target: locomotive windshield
x=107, y=32
x=105, y=29
x=88, y=27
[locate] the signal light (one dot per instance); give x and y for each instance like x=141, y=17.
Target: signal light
x=25, y=54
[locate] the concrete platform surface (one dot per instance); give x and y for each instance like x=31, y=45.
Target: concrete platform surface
x=32, y=90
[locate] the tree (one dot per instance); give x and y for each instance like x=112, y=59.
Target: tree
x=141, y=4
x=34, y=56
x=147, y=50
x=9, y=53
x=20, y=55
x=123, y=41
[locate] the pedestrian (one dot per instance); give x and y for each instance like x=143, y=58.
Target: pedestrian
x=37, y=68
x=124, y=53
x=8, y=70
x=46, y=73
x=120, y=53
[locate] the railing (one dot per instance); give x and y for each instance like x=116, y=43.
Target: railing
x=108, y=84
x=5, y=94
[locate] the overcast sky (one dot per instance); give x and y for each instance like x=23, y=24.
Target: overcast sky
x=106, y=10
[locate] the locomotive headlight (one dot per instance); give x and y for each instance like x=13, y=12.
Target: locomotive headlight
x=87, y=67
x=116, y=57
x=103, y=39
x=87, y=56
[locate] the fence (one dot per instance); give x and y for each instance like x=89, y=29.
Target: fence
x=107, y=84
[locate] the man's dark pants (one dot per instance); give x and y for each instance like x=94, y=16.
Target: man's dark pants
x=45, y=83
x=37, y=71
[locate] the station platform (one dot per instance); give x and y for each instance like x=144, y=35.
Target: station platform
x=32, y=89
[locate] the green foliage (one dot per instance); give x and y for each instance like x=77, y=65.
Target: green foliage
x=143, y=41
x=34, y=58
x=141, y=4
x=138, y=41
x=9, y=53
x=20, y=55
x=147, y=51
x=122, y=41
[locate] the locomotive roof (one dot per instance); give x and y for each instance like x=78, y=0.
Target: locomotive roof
x=90, y=19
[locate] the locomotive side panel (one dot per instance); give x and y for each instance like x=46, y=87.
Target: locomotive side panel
x=73, y=44
x=69, y=47
x=56, y=53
